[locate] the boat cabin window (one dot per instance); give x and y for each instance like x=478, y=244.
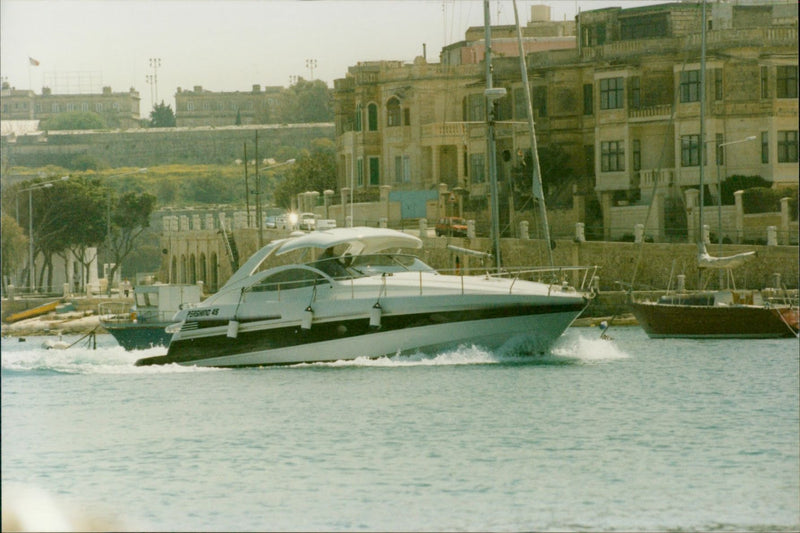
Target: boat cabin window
x=146, y=299
x=371, y=264
x=292, y=278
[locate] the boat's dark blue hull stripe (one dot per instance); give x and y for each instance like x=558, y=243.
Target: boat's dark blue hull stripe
x=187, y=350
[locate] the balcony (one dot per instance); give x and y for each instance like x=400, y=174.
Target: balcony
x=646, y=114
x=444, y=133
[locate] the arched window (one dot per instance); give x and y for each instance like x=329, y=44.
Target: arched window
x=372, y=117
x=192, y=269
x=393, y=112
x=202, y=268
x=173, y=274
x=214, y=271
x=182, y=276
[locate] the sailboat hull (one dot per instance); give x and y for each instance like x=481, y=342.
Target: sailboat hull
x=714, y=321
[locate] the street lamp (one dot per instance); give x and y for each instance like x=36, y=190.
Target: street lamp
x=258, y=198
x=719, y=156
x=29, y=190
x=108, y=221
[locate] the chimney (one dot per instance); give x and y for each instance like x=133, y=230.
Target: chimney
x=425, y=51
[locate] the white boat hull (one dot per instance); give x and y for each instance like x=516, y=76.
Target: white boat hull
x=531, y=333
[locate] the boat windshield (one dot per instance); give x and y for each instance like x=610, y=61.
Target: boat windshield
x=348, y=266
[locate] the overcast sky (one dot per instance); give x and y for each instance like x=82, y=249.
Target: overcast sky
x=230, y=45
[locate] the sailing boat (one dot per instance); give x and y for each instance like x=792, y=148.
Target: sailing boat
x=725, y=313
x=347, y=293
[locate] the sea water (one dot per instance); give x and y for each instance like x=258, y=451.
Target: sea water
x=623, y=434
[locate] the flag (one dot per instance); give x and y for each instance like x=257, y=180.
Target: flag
x=33, y=61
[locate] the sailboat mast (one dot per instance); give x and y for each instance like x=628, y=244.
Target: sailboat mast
x=491, y=151
x=536, y=185
x=702, y=147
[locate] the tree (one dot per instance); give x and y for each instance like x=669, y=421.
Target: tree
x=305, y=101
x=313, y=171
x=74, y=120
x=84, y=221
x=12, y=248
x=130, y=217
x=162, y=116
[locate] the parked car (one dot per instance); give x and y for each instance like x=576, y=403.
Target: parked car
x=271, y=222
x=307, y=221
x=325, y=223
x=452, y=227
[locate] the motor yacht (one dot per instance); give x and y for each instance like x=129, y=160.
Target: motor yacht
x=348, y=293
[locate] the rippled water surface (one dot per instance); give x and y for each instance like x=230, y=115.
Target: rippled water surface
x=628, y=434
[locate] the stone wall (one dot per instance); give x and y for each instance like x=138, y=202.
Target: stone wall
x=157, y=146
x=647, y=266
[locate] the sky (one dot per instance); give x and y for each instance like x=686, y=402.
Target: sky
x=230, y=45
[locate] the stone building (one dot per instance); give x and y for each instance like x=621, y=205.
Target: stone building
x=622, y=104
x=201, y=107
x=119, y=110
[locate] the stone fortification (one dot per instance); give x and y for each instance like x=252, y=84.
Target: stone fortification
x=156, y=146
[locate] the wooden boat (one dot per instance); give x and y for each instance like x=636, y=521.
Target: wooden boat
x=718, y=314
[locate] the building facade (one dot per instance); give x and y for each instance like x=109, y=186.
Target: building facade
x=118, y=109
x=623, y=104
x=201, y=107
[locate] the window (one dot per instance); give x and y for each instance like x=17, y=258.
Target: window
x=637, y=155
x=477, y=168
x=786, y=81
x=787, y=146
x=407, y=116
x=398, y=168
x=475, y=108
x=588, y=99
x=71, y=107
x=611, y=93
x=690, y=151
x=360, y=172
x=764, y=82
x=612, y=156
x=690, y=86
x=718, y=84
x=635, y=92
x=85, y=106
x=357, y=125
x=720, y=150
x=520, y=104
x=372, y=117
x=55, y=108
x=294, y=278
x=393, y=112
x=374, y=171
x=189, y=106
x=406, y=169
x=540, y=101
x=764, y=147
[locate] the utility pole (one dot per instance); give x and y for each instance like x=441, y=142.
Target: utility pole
x=260, y=221
x=246, y=186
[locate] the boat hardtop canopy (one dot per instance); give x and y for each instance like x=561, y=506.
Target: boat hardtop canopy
x=360, y=240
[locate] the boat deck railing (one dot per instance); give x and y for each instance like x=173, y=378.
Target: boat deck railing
x=121, y=313
x=575, y=279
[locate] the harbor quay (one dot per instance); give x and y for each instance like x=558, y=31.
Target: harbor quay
x=191, y=255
